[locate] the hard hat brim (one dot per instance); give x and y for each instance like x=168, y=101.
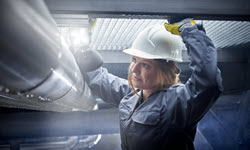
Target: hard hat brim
x=139, y=53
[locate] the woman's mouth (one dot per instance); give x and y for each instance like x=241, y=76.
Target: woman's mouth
x=136, y=78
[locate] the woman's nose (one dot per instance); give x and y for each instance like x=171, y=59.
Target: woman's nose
x=135, y=68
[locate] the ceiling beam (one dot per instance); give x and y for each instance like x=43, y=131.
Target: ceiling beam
x=212, y=9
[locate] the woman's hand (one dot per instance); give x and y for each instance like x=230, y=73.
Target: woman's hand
x=88, y=61
x=177, y=27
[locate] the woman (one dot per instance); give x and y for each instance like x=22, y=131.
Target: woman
x=156, y=112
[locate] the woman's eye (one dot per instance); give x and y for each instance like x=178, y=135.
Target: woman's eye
x=133, y=60
x=145, y=65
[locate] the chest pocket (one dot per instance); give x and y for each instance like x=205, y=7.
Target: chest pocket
x=146, y=117
x=124, y=111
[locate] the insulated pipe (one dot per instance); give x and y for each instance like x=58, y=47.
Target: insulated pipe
x=66, y=144
x=36, y=65
x=30, y=45
x=51, y=124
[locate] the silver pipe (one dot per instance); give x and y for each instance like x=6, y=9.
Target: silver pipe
x=65, y=144
x=55, y=124
x=54, y=143
x=30, y=46
x=36, y=65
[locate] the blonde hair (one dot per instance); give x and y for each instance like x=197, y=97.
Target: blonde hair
x=167, y=75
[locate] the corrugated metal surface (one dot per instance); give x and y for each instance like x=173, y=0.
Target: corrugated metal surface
x=119, y=33
x=228, y=33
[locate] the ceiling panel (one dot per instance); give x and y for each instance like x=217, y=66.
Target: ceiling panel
x=119, y=33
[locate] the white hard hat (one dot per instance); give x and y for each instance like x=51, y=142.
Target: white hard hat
x=155, y=42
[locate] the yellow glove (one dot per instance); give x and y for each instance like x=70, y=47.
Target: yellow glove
x=178, y=27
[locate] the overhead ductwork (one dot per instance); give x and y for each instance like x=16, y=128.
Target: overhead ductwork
x=37, y=69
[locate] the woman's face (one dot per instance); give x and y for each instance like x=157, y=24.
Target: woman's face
x=144, y=73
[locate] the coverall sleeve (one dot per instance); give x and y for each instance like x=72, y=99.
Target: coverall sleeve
x=108, y=87
x=200, y=92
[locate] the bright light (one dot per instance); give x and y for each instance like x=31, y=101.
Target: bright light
x=97, y=139
x=79, y=37
x=63, y=79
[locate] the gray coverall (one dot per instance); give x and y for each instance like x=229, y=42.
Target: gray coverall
x=168, y=118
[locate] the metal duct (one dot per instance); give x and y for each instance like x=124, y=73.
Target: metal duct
x=65, y=144
x=37, y=69
x=52, y=143
x=52, y=124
